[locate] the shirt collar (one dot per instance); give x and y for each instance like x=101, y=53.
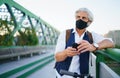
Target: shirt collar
x=74, y=31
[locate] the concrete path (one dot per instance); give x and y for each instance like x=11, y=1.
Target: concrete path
x=45, y=72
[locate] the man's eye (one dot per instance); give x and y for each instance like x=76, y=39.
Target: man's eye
x=84, y=18
x=78, y=16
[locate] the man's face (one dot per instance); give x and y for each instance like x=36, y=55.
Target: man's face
x=82, y=15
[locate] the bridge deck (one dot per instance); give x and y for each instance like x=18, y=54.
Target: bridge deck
x=41, y=72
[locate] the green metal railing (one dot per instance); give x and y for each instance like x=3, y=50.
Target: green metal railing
x=110, y=56
x=15, y=20
x=22, y=20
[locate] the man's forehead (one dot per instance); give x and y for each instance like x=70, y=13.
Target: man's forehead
x=82, y=13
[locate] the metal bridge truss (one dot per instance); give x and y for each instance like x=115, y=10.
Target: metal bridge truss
x=22, y=19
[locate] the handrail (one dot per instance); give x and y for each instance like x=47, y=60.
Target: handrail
x=112, y=53
x=10, y=52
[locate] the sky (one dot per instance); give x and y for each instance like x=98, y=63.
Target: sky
x=61, y=13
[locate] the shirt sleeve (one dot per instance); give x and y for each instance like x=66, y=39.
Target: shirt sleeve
x=60, y=46
x=98, y=38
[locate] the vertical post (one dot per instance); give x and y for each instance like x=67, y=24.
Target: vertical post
x=13, y=18
x=31, y=54
x=18, y=57
x=50, y=36
x=43, y=33
x=30, y=22
x=100, y=58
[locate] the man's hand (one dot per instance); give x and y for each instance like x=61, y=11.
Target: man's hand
x=71, y=51
x=68, y=52
x=85, y=46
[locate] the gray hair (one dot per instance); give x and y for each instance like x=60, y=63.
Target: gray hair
x=90, y=15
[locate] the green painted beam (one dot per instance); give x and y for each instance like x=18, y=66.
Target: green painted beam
x=113, y=53
x=1, y=2
x=26, y=13
x=100, y=58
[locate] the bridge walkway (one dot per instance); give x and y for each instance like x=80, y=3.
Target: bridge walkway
x=27, y=68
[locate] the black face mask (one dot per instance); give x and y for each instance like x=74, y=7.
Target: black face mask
x=80, y=24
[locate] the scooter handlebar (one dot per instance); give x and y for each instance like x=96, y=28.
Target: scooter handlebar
x=69, y=73
x=75, y=74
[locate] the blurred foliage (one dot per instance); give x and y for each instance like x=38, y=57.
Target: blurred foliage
x=6, y=39
x=28, y=37
x=117, y=46
x=115, y=66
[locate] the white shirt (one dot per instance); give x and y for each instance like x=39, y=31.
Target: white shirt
x=74, y=66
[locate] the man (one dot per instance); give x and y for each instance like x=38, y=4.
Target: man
x=76, y=59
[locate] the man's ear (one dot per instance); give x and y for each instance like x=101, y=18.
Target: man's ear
x=89, y=22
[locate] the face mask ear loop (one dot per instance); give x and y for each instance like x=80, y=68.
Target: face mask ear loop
x=89, y=22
